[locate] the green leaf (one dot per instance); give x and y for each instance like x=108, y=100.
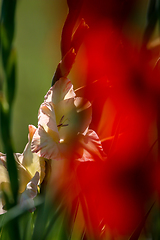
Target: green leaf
x=137, y=232
x=8, y=16
x=152, y=18
x=69, y=220
x=17, y=211
x=11, y=163
x=11, y=76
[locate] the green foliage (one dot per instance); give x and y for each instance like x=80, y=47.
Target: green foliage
x=8, y=57
x=9, y=64
x=153, y=17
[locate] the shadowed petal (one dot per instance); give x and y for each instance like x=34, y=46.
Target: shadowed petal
x=4, y=177
x=3, y=159
x=84, y=111
x=26, y=199
x=23, y=174
x=67, y=119
x=89, y=147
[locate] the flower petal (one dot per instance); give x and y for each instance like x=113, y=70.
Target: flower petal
x=32, y=130
x=3, y=159
x=67, y=119
x=89, y=147
x=4, y=177
x=84, y=111
x=26, y=199
x=2, y=211
x=44, y=145
x=23, y=173
x=47, y=120
x=62, y=89
x=31, y=161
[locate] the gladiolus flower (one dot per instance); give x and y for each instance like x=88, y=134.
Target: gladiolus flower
x=63, y=123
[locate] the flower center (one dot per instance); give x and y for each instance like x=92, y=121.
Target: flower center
x=62, y=124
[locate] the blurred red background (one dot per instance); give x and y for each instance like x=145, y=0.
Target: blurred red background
x=125, y=115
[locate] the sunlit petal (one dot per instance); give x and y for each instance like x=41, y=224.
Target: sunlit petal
x=23, y=174
x=62, y=89
x=44, y=145
x=31, y=161
x=47, y=120
x=32, y=130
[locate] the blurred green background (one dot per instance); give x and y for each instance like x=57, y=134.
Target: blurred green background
x=37, y=41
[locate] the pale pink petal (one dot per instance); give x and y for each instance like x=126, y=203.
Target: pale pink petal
x=47, y=120
x=3, y=159
x=62, y=89
x=89, y=147
x=44, y=145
